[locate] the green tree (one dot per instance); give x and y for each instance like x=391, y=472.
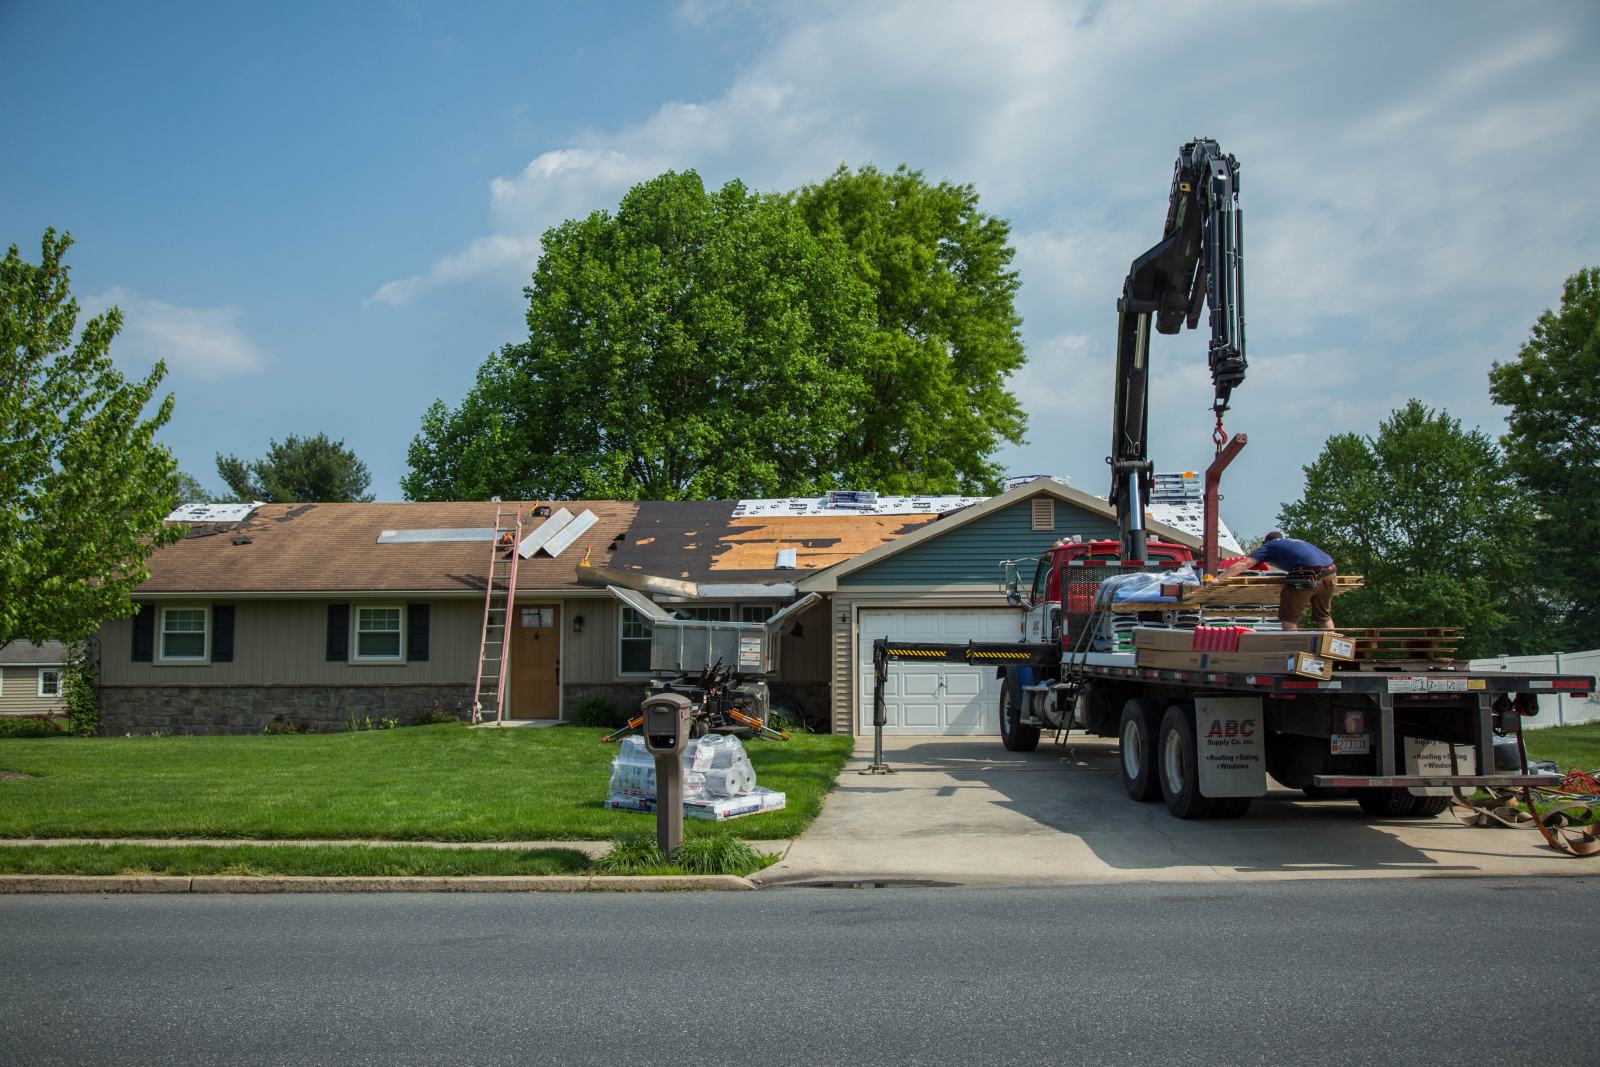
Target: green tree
x=1552, y=445
x=190, y=491
x=83, y=484
x=946, y=328
x=692, y=345
x=300, y=469
x=1428, y=513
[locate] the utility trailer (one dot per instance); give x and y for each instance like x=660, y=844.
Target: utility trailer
x=1397, y=741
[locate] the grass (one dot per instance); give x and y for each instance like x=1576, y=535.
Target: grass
x=392, y=861
x=432, y=783
x=1569, y=746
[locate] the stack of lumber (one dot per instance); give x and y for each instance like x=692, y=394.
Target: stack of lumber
x=1239, y=592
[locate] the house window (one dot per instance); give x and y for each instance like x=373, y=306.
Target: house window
x=377, y=635
x=633, y=644
x=184, y=635
x=755, y=613
x=1044, y=513
x=706, y=612
x=49, y=682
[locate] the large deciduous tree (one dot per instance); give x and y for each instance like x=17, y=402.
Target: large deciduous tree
x=84, y=485
x=1428, y=513
x=298, y=470
x=699, y=344
x=695, y=344
x=1552, y=445
x=946, y=328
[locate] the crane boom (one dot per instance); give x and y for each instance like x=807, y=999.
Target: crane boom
x=1199, y=259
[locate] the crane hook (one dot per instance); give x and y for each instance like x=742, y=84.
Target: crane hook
x=1218, y=436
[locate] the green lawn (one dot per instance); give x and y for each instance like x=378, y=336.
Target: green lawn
x=1569, y=746
x=389, y=861
x=445, y=783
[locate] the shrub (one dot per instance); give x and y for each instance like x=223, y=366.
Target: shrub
x=282, y=724
x=635, y=853
x=434, y=716
x=29, y=726
x=597, y=711
x=79, y=692
x=718, y=854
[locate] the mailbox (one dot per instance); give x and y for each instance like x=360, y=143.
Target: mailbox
x=666, y=723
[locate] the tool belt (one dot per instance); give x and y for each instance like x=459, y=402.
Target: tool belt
x=1307, y=577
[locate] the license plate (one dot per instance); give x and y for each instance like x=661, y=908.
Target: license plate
x=1350, y=744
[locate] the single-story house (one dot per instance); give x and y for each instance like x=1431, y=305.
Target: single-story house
x=323, y=613
x=31, y=678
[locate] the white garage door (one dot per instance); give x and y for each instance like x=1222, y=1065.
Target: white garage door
x=932, y=698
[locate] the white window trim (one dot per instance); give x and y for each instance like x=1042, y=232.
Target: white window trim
x=161, y=636
x=622, y=610
x=59, y=673
x=355, y=633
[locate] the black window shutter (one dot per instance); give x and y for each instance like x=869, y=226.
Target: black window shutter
x=338, y=632
x=144, y=634
x=222, y=633
x=416, y=632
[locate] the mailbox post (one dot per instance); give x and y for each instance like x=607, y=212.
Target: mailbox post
x=666, y=728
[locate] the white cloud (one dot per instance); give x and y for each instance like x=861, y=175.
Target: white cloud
x=206, y=343
x=1414, y=194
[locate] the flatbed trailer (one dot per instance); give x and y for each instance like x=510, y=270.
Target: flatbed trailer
x=1400, y=739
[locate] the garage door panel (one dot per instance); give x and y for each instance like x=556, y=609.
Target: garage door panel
x=927, y=698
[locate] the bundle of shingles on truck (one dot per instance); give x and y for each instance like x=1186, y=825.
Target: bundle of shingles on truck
x=1238, y=649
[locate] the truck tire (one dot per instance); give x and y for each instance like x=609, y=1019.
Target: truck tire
x=1015, y=736
x=1179, y=774
x=1230, y=807
x=1386, y=802
x=1138, y=730
x=1428, y=807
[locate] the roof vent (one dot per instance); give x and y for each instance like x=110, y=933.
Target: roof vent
x=787, y=559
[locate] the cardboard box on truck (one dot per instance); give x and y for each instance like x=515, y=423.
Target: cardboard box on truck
x=1302, y=664
x=1324, y=644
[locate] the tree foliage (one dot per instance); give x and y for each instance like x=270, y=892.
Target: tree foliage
x=1428, y=513
x=83, y=484
x=298, y=470
x=946, y=333
x=1552, y=445
x=723, y=344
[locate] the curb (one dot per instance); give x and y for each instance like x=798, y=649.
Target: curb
x=79, y=883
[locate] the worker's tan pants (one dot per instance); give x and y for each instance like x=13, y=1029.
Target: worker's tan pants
x=1292, y=604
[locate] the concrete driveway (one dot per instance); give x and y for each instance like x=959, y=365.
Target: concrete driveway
x=967, y=812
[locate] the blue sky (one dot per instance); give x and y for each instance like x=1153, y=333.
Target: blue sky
x=322, y=216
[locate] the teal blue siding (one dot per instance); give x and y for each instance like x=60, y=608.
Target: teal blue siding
x=971, y=554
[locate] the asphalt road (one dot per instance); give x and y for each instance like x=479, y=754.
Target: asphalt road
x=1420, y=971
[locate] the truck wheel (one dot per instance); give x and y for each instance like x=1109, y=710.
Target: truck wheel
x=1392, y=803
x=1326, y=792
x=1015, y=736
x=1230, y=807
x=1137, y=733
x=1180, y=777
x=1428, y=807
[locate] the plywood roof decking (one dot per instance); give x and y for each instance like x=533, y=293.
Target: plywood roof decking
x=307, y=548
x=701, y=541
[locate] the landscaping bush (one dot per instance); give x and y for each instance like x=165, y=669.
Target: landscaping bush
x=718, y=854
x=598, y=712
x=437, y=715
x=635, y=853
x=30, y=726
x=79, y=692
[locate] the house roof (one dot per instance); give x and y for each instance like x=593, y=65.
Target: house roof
x=828, y=581
x=314, y=548
x=27, y=654
x=334, y=548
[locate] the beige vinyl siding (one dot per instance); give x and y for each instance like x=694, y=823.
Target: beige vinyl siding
x=590, y=657
x=19, y=693
x=284, y=642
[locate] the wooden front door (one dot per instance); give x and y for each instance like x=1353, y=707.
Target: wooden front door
x=536, y=662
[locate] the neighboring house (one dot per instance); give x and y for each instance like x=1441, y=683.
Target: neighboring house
x=941, y=582
x=31, y=677
x=303, y=613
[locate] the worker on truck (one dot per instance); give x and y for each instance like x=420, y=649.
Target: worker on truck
x=1309, y=578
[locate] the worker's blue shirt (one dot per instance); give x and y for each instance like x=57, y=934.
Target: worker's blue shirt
x=1292, y=555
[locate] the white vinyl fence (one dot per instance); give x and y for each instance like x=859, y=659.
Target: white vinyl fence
x=1554, y=710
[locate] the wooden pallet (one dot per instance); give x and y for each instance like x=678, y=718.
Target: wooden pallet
x=1412, y=643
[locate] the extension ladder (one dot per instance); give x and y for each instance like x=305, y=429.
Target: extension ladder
x=499, y=599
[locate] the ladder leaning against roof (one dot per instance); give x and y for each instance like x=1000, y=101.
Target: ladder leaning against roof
x=499, y=598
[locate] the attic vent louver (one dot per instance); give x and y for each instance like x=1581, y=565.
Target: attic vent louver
x=1044, y=513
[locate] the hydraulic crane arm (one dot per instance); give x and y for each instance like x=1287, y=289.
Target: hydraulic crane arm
x=1199, y=259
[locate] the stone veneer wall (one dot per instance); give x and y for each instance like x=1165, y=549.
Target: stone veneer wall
x=217, y=709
